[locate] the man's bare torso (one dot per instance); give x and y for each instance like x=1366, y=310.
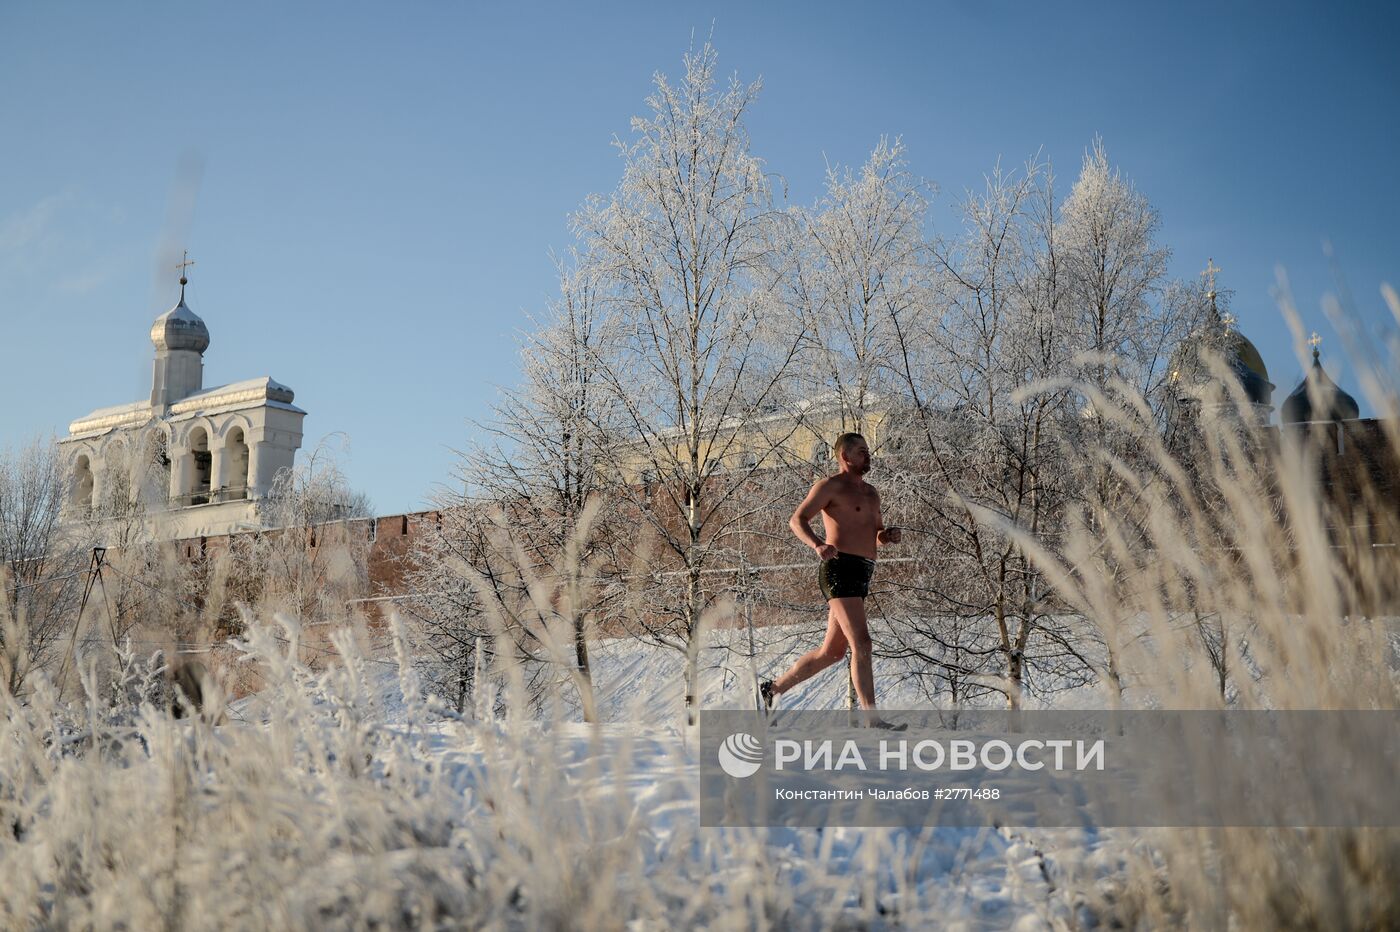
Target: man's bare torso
x=849, y=506
x=851, y=514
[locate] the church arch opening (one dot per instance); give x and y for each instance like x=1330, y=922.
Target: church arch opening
x=155, y=474
x=201, y=466
x=236, y=465
x=82, y=483
x=116, y=478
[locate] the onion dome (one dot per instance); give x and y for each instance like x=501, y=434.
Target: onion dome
x=1248, y=366
x=180, y=328
x=1317, y=397
x=1189, y=367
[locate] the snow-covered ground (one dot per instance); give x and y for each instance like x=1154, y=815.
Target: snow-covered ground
x=641, y=682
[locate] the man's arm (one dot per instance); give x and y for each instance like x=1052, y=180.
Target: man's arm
x=801, y=520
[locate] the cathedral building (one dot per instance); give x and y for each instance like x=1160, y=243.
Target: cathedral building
x=1355, y=461
x=1218, y=348
x=191, y=460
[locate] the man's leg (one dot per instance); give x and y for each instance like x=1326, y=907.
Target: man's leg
x=815, y=661
x=850, y=615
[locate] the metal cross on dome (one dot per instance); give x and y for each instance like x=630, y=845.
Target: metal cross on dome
x=1209, y=274
x=1315, y=341
x=180, y=267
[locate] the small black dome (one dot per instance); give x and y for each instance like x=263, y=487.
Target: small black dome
x=1333, y=404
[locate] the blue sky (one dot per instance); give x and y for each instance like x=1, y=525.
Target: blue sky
x=377, y=188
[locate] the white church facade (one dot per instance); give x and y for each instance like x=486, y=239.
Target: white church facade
x=193, y=461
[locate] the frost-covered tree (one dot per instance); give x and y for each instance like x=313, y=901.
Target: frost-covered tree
x=685, y=252
x=528, y=507
x=1048, y=357
x=310, y=562
x=314, y=491
x=861, y=263
x=996, y=457
x=1124, y=321
x=982, y=455
x=41, y=566
x=1115, y=270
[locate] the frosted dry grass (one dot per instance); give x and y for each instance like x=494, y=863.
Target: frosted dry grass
x=345, y=799
x=1238, y=587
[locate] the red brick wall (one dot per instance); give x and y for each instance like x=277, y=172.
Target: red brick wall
x=1362, y=478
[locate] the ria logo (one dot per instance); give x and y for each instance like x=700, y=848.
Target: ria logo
x=740, y=755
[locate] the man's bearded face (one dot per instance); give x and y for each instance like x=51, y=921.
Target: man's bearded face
x=858, y=458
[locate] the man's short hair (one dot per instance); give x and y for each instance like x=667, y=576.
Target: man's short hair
x=846, y=441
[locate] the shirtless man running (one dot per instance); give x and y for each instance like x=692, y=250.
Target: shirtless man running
x=850, y=510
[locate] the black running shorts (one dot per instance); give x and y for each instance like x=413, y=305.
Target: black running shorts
x=846, y=576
